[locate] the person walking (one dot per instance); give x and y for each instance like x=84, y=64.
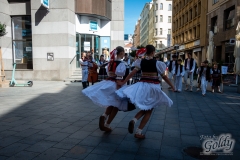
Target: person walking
x=205, y=75
x=146, y=94
x=189, y=65
x=92, y=71
x=216, y=78
x=102, y=74
x=103, y=93
x=178, y=74
x=84, y=62
x=171, y=66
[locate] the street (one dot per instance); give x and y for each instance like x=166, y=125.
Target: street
x=53, y=120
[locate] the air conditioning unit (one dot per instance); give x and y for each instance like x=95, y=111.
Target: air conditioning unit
x=215, y=29
x=232, y=41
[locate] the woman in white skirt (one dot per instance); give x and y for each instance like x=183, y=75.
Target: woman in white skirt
x=103, y=93
x=146, y=94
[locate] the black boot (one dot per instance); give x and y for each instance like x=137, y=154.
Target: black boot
x=87, y=84
x=84, y=85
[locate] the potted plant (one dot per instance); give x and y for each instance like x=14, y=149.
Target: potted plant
x=2, y=29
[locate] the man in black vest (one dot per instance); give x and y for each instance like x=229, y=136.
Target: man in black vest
x=171, y=66
x=189, y=65
x=205, y=75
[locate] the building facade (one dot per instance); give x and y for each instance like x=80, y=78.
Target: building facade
x=189, y=28
x=151, y=26
x=162, y=23
x=46, y=42
x=222, y=19
x=144, y=24
x=136, y=36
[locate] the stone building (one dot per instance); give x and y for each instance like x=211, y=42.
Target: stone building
x=189, y=28
x=45, y=40
x=222, y=19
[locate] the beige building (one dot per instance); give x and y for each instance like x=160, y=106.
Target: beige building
x=222, y=19
x=189, y=27
x=136, y=36
x=151, y=26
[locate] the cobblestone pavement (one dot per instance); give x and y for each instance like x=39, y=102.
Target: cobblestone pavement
x=53, y=120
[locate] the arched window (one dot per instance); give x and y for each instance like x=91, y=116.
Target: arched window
x=170, y=7
x=161, y=6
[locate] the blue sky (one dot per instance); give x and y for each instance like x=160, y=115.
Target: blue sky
x=133, y=9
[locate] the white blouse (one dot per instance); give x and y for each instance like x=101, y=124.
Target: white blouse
x=161, y=67
x=120, y=70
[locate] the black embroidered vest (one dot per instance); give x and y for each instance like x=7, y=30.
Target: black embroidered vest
x=176, y=69
x=170, y=66
x=191, y=63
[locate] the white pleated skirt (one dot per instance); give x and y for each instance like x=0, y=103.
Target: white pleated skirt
x=145, y=95
x=103, y=94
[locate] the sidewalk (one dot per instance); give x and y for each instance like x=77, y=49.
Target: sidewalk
x=53, y=120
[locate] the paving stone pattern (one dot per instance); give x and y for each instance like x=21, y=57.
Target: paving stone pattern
x=53, y=120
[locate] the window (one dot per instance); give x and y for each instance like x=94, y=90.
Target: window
x=156, y=7
x=156, y=19
x=214, y=1
x=169, y=19
x=156, y=32
x=156, y=44
x=194, y=32
x=160, y=31
x=187, y=17
x=160, y=45
x=125, y=37
x=214, y=24
x=229, y=18
x=190, y=14
x=161, y=18
x=195, y=11
x=170, y=7
x=161, y=6
x=169, y=31
x=22, y=41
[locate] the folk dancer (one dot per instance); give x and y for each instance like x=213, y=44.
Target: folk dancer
x=171, y=66
x=128, y=64
x=216, y=77
x=92, y=71
x=102, y=74
x=146, y=94
x=205, y=74
x=103, y=93
x=199, y=78
x=84, y=62
x=178, y=74
x=189, y=65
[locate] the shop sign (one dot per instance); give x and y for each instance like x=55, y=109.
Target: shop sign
x=181, y=47
x=86, y=46
x=45, y=3
x=93, y=26
x=192, y=44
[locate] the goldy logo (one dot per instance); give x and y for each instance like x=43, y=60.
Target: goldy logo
x=218, y=145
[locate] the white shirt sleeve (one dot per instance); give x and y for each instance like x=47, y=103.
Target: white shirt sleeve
x=193, y=67
x=183, y=71
x=161, y=67
x=120, y=70
x=137, y=63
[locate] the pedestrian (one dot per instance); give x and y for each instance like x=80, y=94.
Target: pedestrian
x=205, y=75
x=103, y=93
x=146, y=94
x=84, y=65
x=199, y=78
x=216, y=78
x=178, y=73
x=102, y=74
x=189, y=65
x=127, y=63
x=171, y=66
